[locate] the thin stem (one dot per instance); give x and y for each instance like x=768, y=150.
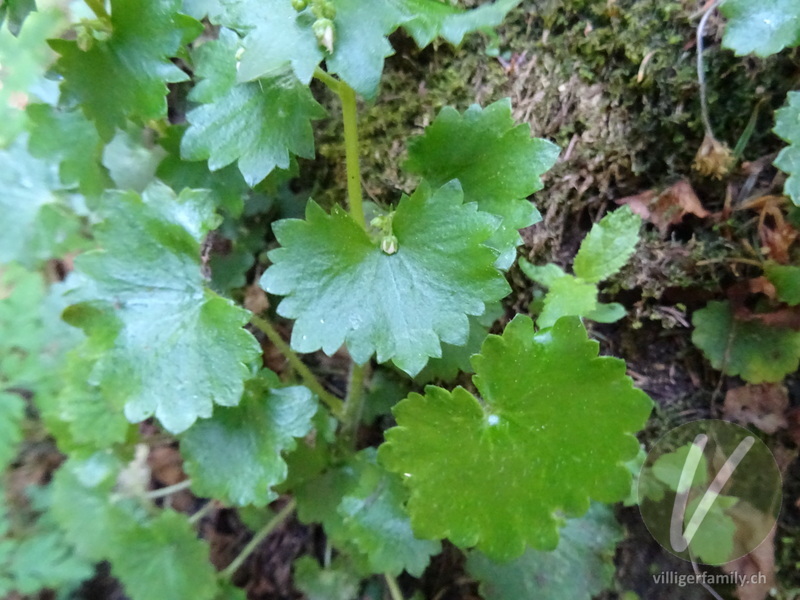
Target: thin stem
x=169, y=490
x=350, y=117
x=701, y=73
x=328, y=80
x=98, y=8
x=394, y=589
x=312, y=383
x=279, y=518
x=207, y=508
x=354, y=404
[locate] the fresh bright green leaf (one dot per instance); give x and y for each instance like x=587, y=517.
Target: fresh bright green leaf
x=14, y=13
x=341, y=287
x=179, y=347
x=553, y=430
x=497, y=162
x=164, y=559
x=385, y=389
x=787, y=126
x=133, y=64
x=763, y=27
x=608, y=246
x=431, y=18
x=334, y=583
x=606, y=313
x=544, y=275
x=257, y=123
x=567, y=296
x=236, y=455
x=71, y=140
x=38, y=223
x=751, y=349
x=786, y=279
x=362, y=508
x=581, y=567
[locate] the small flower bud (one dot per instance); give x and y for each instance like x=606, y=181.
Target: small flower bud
x=299, y=5
x=389, y=244
x=323, y=29
x=713, y=159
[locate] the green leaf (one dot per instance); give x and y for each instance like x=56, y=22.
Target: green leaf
x=71, y=140
x=497, y=162
x=14, y=13
x=581, y=567
x=608, y=246
x=257, y=123
x=362, y=508
x=713, y=542
x=544, y=275
x=456, y=359
x=226, y=184
x=756, y=352
x=787, y=126
x=236, y=456
x=178, y=347
x=430, y=19
x=133, y=64
x=553, y=430
x=567, y=296
x=12, y=412
x=668, y=468
x=334, y=583
x=786, y=279
x=341, y=287
x=606, y=313
x=38, y=223
x=46, y=560
x=762, y=28
x=132, y=160
x=164, y=559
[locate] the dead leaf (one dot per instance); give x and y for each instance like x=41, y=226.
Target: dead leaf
x=756, y=569
x=775, y=233
x=762, y=405
x=667, y=208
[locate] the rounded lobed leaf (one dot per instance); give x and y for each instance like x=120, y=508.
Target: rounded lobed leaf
x=553, y=430
x=341, y=287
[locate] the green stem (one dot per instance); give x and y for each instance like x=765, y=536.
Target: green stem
x=394, y=589
x=279, y=518
x=169, y=490
x=350, y=117
x=98, y=8
x=354, y=404
x=312, y=383
x=328, y=80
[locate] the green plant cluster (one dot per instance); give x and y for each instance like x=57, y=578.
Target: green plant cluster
x=155, y=329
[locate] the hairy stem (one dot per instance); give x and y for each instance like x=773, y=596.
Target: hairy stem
x=329, y=80
x=701, y=73
x=394, y=589
x=311, y=382
x=350, y=117
x=279, y=518
x=354, y=404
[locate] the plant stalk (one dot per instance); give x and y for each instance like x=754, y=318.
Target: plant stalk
x=169, y=490
x=394, y=588
x=350, y=117
x=701, y=73
x=279, y=518
x=311, y=382
x=329, y=80
x=354, y=404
